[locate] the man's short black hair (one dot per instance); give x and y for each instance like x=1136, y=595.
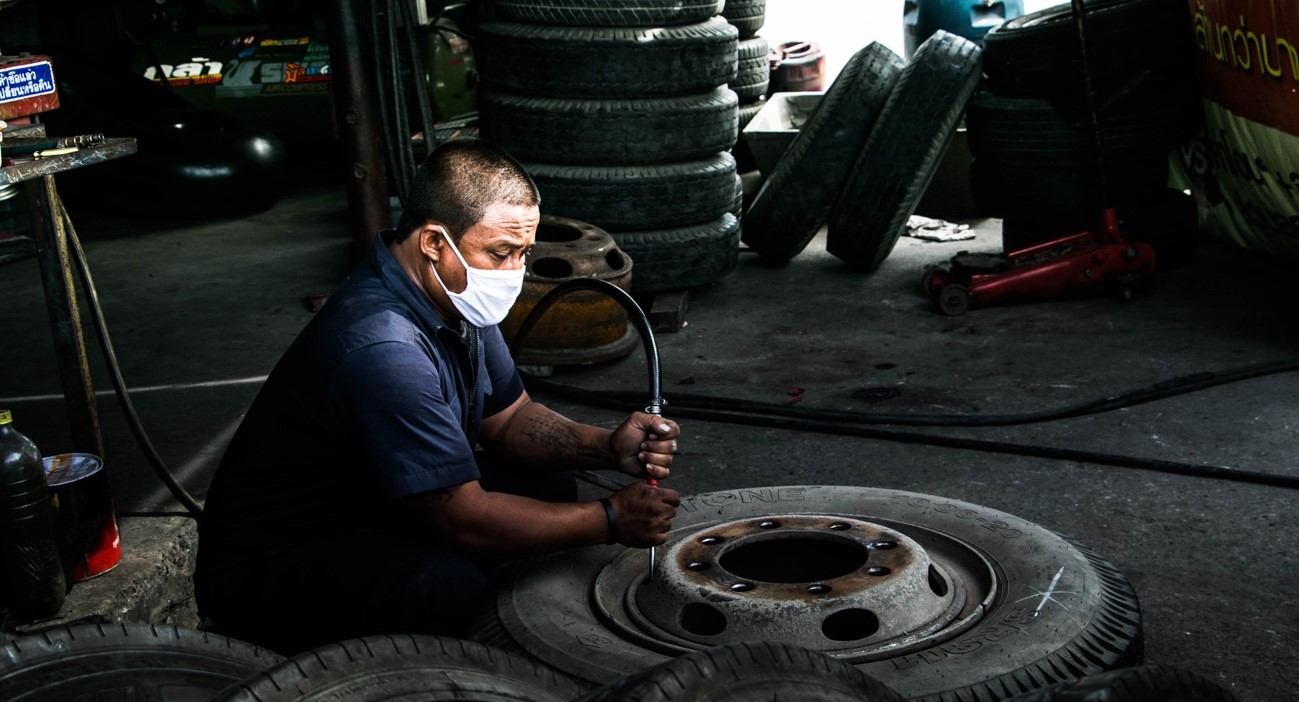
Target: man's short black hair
x=458, y=181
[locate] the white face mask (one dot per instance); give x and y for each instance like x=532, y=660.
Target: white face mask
x=488, y=294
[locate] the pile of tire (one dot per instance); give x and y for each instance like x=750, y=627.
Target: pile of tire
x=1038, y=162
x=622, y=114
x=753, y=66
x=866, y=154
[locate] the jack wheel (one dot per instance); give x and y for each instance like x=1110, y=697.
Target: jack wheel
x=954, y=300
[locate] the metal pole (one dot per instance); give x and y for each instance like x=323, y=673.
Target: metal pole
x=359, y=129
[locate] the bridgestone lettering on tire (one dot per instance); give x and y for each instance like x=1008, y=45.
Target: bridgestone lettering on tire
x=903, y=151
x=608, y=13
x=796, y=199
x=431, y=668
x=684, y=257
x=626, y=198
x=1037, y=608
x=610, y=132
x=125, y=661
x=750, y=671
x=606, y=62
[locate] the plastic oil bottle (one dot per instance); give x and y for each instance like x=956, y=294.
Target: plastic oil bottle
x=30, y=568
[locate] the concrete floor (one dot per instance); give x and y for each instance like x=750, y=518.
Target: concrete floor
x=200, y=311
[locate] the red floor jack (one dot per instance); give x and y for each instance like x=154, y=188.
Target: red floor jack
x=1076, y=263
x=1081, y=262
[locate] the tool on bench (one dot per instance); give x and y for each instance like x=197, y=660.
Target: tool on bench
x=1077, y=262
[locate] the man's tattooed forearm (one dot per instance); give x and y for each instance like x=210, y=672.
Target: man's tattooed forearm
x=556, y=435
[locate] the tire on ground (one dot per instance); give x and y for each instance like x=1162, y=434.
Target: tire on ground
x=429, y=668
x=606, y=62
x=1019, y=641
x=903, y=151
x=796, y=199
x=682, y=257
x=758, y=670
x=1036, y=55
x=748, y=16
x=103, y=661
x=602, y=13
x=626, y=198
x=1144, y=683
x=753, y=70
x=610, y=132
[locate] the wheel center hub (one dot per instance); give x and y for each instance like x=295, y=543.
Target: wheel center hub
x=826, y=582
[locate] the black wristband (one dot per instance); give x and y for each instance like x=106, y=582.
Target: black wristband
x=611, y=518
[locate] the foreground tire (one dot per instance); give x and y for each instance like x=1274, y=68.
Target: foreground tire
x=606, y=132
x=903, y=150
x=1147, y=683
x=125, y=661
x=431, y=668
x=796, y=199
x=606, y=62
x=749, y=671
x=992, y=605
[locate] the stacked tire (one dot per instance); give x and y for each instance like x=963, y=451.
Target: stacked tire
x=1038, y=163
x=753, y=65
x=622, y=114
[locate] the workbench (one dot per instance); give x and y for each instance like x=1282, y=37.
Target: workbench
x=50, y=232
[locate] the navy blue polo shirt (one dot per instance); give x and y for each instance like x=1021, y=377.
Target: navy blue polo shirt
x=377, y=399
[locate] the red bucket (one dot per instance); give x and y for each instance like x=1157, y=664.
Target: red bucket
x=89, y=542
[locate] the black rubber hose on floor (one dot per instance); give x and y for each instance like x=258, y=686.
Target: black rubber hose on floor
x=119, y=384
x=849, y=423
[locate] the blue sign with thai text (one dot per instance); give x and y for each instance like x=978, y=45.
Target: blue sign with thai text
x=31, y=80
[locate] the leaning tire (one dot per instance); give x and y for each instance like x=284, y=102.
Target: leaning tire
x=796, y=199
x=1036, y=55
x=1146, y=683
x=429, y=668
x=602, y=13
x=747, y=671
x=628, y=198
x=113, y=661
x=1037, y=607
x=606, y=62
x=605, y=132
x=683, y=257
x=903, y=150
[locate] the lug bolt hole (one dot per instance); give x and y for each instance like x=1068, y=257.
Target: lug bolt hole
x=878, y=570
x=698, y=565
x=818, y=588
x=742, y=587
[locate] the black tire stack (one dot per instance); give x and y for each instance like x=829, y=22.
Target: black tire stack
x=1036, y=162
x=753, y=56
x=621, y=113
